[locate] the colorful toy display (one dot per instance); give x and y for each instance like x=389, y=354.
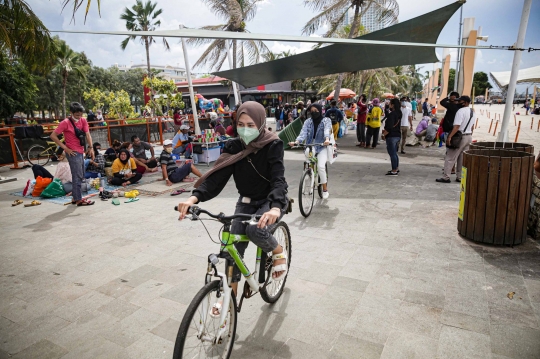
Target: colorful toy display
x=214, y=104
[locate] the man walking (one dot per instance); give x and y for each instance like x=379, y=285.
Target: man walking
x=406, y=122
x=77, y=135
x=425, y=108
x=280, y=117
x=463, y=122
x=335, y=116
x=414, y=106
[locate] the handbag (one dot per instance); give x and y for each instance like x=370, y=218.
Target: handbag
x=455, y=141
x=79, y=134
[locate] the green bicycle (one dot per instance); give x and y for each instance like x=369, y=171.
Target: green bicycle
x=40, y=155
x=310, y=180
x=206, y=334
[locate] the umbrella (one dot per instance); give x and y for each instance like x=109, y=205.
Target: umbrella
x=388, y=95
x=343, y=93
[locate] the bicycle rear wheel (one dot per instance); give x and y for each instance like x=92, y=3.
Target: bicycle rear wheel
x=38, y=155
x=306, y=193
x=319, y=187
x=188, y=344
x=271, y=292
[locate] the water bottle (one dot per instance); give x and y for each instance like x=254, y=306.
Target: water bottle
x=101, y=183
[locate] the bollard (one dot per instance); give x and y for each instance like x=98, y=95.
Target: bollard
x=515, y=124
x=476, y=125
x=496, y=124
x=532, y=120
x=490, y=126
x=517, y=133
x=538, y=129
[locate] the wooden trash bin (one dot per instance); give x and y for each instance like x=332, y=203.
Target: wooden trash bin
x=525, y=147
x=495, y=195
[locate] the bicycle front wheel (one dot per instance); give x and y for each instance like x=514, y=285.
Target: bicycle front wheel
x=38, y=155
x=306, y=194
x=198, y=331
x=271, y=292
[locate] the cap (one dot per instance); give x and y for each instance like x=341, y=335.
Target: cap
x=167, y=142
x=184, y=127
x=465, y=98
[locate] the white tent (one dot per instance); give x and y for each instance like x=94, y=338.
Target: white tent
x=530, y=75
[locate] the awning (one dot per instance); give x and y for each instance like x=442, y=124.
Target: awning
x=530, y=75
x=348, y=58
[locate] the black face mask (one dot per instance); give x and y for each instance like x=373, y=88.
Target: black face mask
x=315, y=115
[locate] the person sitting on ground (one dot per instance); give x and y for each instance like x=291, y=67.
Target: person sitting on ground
x=124, y=170
x=181, y=141
x=96, y=167
x=171, y=172
x=139, y=153
x=141, y=167
x=112, y=152
x=431, y=132
x=421, y=128
x=89, y=156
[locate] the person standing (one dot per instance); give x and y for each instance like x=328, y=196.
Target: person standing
x=414, y=106
x=76, y=135
x=280, y=117
x=464, y=122
x=361, y=121
x=91, y=118
x=425, y=108
x=336, y=116
x=373, y=124
x=406, y=122
x=392, y=134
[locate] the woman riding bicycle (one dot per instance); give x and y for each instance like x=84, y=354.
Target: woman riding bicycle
x=255, y=160
x=317, y=130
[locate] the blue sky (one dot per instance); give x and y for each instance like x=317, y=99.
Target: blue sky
x=499, y=20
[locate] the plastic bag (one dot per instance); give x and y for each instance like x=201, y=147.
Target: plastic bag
x=54, y=189
x=63, y=172
x=41, y=184
x=29, y=188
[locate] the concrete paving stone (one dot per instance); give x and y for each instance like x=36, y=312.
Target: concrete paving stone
x=319, y=329
x=43, y=349
x=143, y=319
x=246, y=350
x=533, y=289
x=457, y=265
x=118, y=308
x=501, y=263
x=166, y=307
x=73, y=310
x=336, y=255
x=150, y=346
x=122, y=334
x=466, y=279
x=361, y=271
x=418, y=319
x=466, y=253
x=184, y=292
x=93, y=347
x=269, y=331
x=296, y=349
x=498, y=296
x=114, y=288
x=404, y=345
x=346, y=346
x=456, y=343
x=350, y=284
x=71, y=291
x=178, y=274
x=369, y=324
x=338, y=301
x=466, y=301
x=515, y=342
x=429, y=264
x=428, y=299
x=146, y=292
x=390, y=306
x=4, y=355
x=140, y=275
x=167, y=330
x=385, y=285
x=465, y=321
x=427, y=282
x=321, y=273
x=500, y=315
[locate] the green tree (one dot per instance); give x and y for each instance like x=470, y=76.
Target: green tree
x=67, y=63
x=235, y=13
x=143, y=17
x=17, y=88
x=451, y=80
x=22, y=34
x=481, y=83
x=334, y=13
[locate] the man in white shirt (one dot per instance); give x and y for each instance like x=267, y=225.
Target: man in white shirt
x=463, y=122
x=406, y=122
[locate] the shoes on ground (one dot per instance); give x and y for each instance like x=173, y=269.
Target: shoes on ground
x=402, y=152
x=390, y=173
x=443, y=180
x=325, y=195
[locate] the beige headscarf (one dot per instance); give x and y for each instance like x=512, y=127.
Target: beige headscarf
x=256, y=111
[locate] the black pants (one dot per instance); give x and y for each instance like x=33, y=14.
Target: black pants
x=116, y=181
x=361, y=132
x=151, y=164
x=372, y=132
x=41, y=171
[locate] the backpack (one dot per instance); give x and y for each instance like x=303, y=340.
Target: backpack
x=333, y=116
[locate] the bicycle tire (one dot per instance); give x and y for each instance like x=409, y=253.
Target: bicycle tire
x=305, y=212
x=266, y=294
x=36, y=157
x=188, y=318
x=319, y=187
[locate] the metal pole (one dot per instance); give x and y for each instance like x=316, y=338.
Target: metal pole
x=503, y=136
x=234, y=85
x=190, y=85
x=456, y=77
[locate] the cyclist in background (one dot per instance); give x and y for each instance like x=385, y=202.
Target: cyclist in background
x=317, y=130
x=255, y=160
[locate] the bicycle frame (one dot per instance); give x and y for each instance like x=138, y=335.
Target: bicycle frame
x=311, y=163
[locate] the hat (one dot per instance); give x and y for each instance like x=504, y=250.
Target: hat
x=376, y=101
x=184, y=127
x=465, y=98
x=167, y=142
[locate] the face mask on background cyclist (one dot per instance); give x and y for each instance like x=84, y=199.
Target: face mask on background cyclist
x=248, y=134
x=315, y=115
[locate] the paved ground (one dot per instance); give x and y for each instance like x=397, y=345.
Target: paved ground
x=378, y=271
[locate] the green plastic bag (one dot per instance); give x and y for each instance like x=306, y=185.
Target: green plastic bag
x=55, y=189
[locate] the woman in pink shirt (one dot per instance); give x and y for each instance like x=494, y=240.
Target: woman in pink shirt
x=361, y=121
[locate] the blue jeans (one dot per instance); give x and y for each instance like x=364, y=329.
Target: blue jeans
x=182, y=150
x=76, y=165
x=86, y=163
x=391, y=147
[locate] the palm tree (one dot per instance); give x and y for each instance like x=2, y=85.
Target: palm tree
x=23, y=35
x=76, y=4
x=143, y=17
x=334, y=12
x=66, y=63
x=235, y=13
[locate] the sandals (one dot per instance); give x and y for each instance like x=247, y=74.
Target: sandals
x=132, y=200
x=85, y=202
x=177, y=192
x=16, y=202
x=33, y=203
x=284, y=268
x=116, y=201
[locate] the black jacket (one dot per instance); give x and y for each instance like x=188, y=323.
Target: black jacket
x=450, y=115
x=393, y=124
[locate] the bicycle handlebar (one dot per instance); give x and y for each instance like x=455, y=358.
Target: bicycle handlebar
x=221, y=216
x=311, y=144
